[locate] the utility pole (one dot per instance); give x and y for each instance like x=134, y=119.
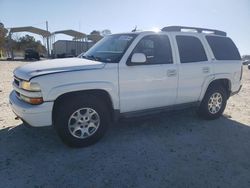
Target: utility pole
x=10, y=44
x=47, y=28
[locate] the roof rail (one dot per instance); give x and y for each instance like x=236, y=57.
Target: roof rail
x=199, y=30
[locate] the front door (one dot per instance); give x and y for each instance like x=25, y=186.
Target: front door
x=151, y=84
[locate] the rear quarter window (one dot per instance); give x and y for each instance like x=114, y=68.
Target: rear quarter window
x=223, y=48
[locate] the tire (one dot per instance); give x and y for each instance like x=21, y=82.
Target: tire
x=212, y=110
x=70, y=120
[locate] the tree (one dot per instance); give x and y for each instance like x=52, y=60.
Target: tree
x=28, y=41
x=3, y=33
x=105, y=32
x=95, y=36
x=245, y=57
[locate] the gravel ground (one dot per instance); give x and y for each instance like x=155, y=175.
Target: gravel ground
x=175, y=149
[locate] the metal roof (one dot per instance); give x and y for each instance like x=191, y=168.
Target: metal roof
x=73, y=33
x=30, y=29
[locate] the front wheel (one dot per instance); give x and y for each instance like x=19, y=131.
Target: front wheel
x=81, y=121
x=213, y=103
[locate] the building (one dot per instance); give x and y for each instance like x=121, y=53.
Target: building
x=67, y=48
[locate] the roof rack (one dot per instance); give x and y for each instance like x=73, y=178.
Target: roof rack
x=199, y=30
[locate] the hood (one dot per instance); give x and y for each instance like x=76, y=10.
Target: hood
x=39, y=68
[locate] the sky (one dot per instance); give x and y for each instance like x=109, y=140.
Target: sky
x=232, y=16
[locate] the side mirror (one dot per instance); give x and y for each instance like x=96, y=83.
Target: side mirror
x=138, y=58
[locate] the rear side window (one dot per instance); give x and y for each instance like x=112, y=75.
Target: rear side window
x=190, y=49
x=223, y=48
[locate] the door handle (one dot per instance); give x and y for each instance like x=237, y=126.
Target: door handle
x=171, y=72
x=205, y=69
x=150, y=56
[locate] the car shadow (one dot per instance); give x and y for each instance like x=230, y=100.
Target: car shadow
x=166, y=150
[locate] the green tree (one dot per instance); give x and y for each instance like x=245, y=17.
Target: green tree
x=245, y=57
x=28, y=41
x=106, y=32
x=95, y=36
x=3, y=33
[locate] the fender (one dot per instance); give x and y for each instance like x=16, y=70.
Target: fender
x=212, y=78
x=55, y=92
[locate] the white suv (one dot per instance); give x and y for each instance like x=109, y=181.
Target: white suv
x=127, y=75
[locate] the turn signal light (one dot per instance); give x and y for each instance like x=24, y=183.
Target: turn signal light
x=38, y=100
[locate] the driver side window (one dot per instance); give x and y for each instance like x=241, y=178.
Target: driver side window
x=156, y=48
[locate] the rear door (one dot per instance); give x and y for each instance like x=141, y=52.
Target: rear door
x=227, y=59
x=194, y=66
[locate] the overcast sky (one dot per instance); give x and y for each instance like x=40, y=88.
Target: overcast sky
x=232, y=16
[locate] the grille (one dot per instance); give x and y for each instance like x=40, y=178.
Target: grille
x=16, y=81
x=17, y=93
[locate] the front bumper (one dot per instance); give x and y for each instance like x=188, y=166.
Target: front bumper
x=34, y=115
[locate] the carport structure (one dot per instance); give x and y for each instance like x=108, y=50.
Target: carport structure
x=44, y=33
x=77, y=37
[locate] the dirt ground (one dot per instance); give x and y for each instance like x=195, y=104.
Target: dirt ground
x=175, y=149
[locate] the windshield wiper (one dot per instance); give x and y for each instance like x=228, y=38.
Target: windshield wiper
x=92, y=57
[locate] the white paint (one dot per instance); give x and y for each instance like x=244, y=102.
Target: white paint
x=131, y=88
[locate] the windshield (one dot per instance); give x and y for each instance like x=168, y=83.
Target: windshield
x=110, y=49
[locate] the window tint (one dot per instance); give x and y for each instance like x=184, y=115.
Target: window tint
x=190, y=49
x=157, y=49
x=223, y=48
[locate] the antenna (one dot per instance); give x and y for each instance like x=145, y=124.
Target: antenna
x=135, y=29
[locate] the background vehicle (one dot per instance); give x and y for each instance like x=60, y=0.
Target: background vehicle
x=127, y=75
x=31, y=54
x=246, y=62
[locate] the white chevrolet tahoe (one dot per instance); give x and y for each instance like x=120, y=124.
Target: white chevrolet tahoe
x=126, y=75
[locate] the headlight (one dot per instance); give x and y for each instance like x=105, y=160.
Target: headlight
x=30, y=86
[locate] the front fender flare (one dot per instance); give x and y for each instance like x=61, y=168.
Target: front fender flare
x=55, y=92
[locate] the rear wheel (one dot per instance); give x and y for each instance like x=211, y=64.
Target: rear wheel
x=213, y=103
x=82, y=121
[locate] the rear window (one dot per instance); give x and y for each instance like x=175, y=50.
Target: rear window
x=223, y=48
x=191, y=49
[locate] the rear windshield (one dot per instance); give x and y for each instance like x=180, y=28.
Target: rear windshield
x=223, y=48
